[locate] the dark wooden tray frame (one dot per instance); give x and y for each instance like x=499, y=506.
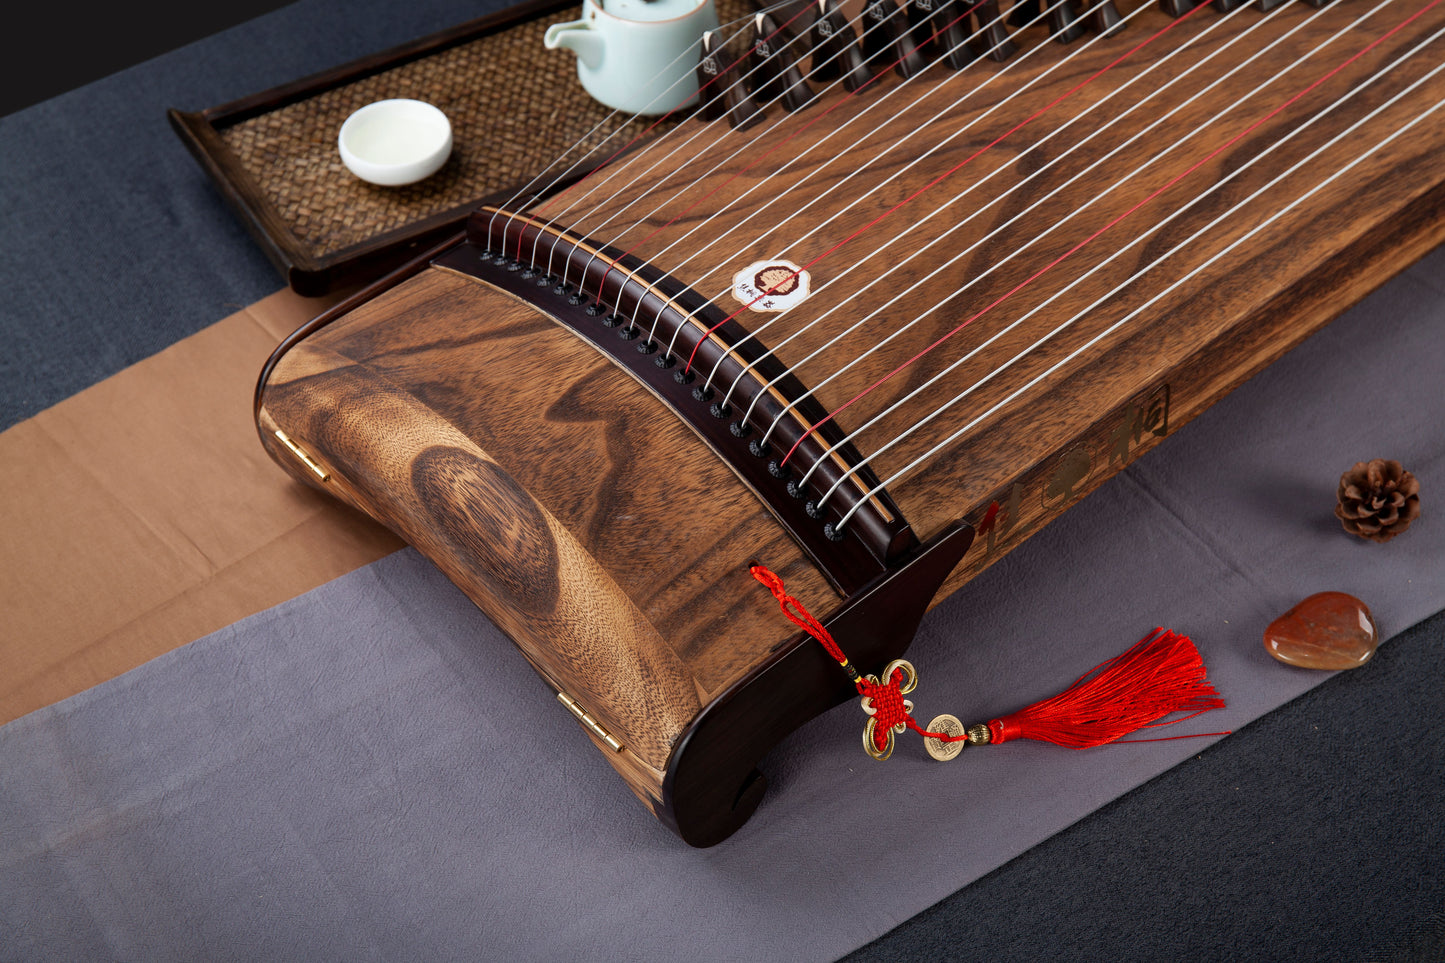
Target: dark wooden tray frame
x=306, y=272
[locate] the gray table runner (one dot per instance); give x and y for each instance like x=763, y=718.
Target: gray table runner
x=371, y=771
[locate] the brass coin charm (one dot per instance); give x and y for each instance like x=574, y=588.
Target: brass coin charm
x=949, y=726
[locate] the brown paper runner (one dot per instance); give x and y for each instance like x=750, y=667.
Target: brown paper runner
x=142, y=513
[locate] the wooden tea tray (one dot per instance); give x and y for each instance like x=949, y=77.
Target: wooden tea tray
x=514, y=107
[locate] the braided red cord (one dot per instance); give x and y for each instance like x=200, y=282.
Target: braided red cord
x=801, y=619
x=887, y=695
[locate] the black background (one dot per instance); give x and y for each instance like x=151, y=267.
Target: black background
x=47, y=48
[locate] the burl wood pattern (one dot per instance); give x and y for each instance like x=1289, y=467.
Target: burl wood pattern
x=488, y=414
x=551, y=492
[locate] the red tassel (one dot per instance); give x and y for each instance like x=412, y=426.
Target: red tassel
x=1161, y=675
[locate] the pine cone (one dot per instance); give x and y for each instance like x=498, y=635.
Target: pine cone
x=1378, y=499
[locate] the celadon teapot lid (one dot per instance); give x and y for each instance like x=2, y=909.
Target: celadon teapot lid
x=648, y=10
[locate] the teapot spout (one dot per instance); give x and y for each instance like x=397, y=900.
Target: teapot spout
x=578, y=37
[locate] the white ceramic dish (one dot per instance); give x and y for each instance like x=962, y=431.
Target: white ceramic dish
x=395, y=142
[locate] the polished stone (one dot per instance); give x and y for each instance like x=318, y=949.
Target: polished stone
x=1330, y=630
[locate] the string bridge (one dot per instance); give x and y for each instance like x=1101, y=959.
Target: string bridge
x=709, y=370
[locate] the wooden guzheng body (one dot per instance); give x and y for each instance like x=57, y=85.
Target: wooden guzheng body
x=569, y=410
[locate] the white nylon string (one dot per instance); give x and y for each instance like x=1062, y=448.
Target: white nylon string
x=872, y=104
x=980, y=209
x=701, y=130
x=1013, y=64
x=756, y=136
x=1095, y=198
x=557, y=179
x=1135, y=242
x=1170, y=288
x=691, y=51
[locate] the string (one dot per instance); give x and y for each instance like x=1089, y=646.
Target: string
x=1171, y=25
x=1268, y=150
x=1071, y=215
x=1211, y=260
x=871, y=106
x=742, y=147
x=712, y=80
x=536, y=178
x=902, y=139
x=895, y=145
x=978, y=211
x=702, y=129
x=644, y=133
x=1087, y=240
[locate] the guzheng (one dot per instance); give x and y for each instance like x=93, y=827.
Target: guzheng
x=909, y=283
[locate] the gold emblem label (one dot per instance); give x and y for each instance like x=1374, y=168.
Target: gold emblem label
x=949, y=726
x=771, y=286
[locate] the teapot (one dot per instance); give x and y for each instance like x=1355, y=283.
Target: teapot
x=639, y=56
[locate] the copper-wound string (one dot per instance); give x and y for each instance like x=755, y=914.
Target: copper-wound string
x=1151, y=197
x=905, y=138
x=979, y=210
x=1271, y=219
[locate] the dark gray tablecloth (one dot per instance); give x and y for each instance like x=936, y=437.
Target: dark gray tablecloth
x=347, y=776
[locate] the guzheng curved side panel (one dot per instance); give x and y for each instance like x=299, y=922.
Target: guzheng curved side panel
x=564, y=502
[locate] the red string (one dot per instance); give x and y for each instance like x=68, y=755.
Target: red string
x=1161, y=675
x=1023, y=123
x=798, y=615
x=1071, y=251
x=736, y=174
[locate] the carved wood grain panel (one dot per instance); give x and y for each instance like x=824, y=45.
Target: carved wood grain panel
x=641, y=497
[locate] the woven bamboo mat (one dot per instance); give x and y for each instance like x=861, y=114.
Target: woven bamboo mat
x=514, y=107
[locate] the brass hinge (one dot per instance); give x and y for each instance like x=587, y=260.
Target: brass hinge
x=302, y=454
x=587, y=720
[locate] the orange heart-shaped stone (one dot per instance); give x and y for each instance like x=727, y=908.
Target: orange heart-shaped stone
x=1330, y=630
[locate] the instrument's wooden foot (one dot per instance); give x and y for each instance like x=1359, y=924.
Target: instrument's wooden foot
x=712, y=783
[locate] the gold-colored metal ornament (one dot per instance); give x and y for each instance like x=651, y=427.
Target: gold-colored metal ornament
x=907, y=684
x=870, y=747
x=910, y=674
x=949, y=725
